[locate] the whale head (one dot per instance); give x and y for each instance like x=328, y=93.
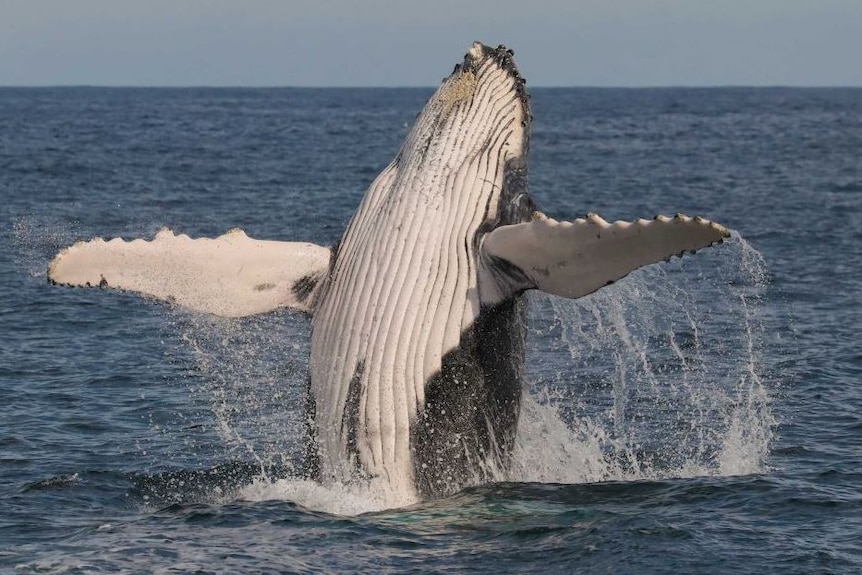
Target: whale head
x=479, y=116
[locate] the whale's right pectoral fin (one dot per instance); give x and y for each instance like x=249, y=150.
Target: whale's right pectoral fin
x=573, y=259
x=232, y=275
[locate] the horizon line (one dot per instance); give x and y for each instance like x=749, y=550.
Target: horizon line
x=426, y=87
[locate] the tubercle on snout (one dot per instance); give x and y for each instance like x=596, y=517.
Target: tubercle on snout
x=503, y=57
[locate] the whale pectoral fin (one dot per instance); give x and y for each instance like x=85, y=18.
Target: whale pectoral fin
x=573, y=259
x=232, y=275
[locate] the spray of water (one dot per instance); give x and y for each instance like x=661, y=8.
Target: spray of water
x=252, y=373
x=36, y=238
x=658, y=376
x=662, y=379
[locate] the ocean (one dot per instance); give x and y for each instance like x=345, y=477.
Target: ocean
x=701, y=416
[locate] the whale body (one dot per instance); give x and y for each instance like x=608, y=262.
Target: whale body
x=417, y=342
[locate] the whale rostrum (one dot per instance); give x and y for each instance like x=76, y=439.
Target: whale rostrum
x=417, y=341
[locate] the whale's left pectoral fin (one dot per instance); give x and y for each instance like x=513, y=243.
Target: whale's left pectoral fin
x=573, y=259
x=232, y=275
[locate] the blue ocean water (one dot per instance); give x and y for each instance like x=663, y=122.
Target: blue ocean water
x=703, y=415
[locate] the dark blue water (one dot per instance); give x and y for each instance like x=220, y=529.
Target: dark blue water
x=700, y=416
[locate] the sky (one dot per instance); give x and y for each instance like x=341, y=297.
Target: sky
x=411, y=43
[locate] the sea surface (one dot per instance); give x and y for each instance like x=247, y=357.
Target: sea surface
x=700, y=416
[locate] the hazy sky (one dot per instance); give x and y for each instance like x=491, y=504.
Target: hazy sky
x=409, y=43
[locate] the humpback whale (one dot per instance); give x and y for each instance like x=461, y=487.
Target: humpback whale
x=417, y=312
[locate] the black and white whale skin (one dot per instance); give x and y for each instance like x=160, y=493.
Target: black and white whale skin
x=417, y=347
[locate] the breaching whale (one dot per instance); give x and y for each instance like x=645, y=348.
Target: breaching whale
x=417, y=342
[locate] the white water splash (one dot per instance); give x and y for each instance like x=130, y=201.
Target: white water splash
x=252, y=374
x=656, y=377
x=335, y=499
x=664, y=379
x=751, y=423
